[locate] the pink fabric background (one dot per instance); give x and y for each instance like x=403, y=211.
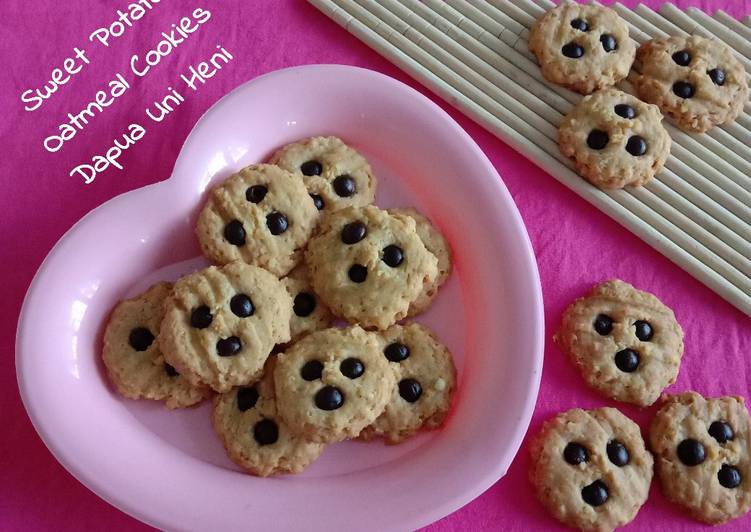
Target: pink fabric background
x=575, y=244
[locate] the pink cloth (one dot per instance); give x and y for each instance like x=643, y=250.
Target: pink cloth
x=576, y=245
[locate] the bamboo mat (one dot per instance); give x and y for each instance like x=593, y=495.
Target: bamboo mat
x=697, y=211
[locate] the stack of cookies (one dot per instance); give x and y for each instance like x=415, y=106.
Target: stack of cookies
x=296, y=244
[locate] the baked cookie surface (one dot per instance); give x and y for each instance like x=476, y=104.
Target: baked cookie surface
x=696, y=81
x=702, y=448
x=261, y=215
x=309, y=313
x=614, y=139
x=134, y=363
x=625, y=342
x=582, y=47
x=590, y=468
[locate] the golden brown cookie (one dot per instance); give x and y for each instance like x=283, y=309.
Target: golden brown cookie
x=309, y=313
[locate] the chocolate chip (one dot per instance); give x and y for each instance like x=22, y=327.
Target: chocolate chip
x=311, y=168
x=393, y=255
x=682, y=58
x=643, y=330
x=353, y=232
x=227, y=347
x=277, y=223
x=201, y=317
x=683, y=89
x=597, y=139
x=410, y=390
x=304, y=304
x=140, y=338
x=721, y=431
x=579, y=24
x=170, y=370
x=575, y=453
x=627, y=360
x=234, y=232
x=396, y=352
x=636, y=145
x=256, y=193
x=717, y=75
x=596, y=493
x=358, y=273
x=618, y=453
x=329, y=398
x=241, y=306
x=247, y=398
x=691, y=452
x=311, y=370
x=625, y=110
x=729, y=476
x=608, y=42
x=266, y=432
x=352, y=368
x=344, y=186
x=603, y=324
x=317, y=201
x=572, y=50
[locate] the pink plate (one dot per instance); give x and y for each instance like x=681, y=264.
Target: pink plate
x=168, y=468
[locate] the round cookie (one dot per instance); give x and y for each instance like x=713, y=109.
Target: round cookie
x=261, y=215
x=625, y=342
x=309, y=313
x=438, y=246
x=255, y=437
x=335, y=174
x=332, y=384
x=702, y=448
x=696, y=81
x=369, y=266
x=582, y=47
x=425, y=383
x=590, y=468
x=220, y=324
x=614, y=139
x=134, y=363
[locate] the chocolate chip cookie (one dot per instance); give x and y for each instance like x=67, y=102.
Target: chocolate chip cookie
x=582, y=47
x=625, y=342
x=261, y=215
x=332, y=384
x=369, y=266
x=134, y=363
x=335, y=174
x=309, y=313
x=614, y=139
x=425, y=382
x=590, y=468
x=696, y=81
x=702, y=449
x=220, y=324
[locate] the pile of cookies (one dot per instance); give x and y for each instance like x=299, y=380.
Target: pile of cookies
x=615, y=139
x=296, y=244
x=591, y=469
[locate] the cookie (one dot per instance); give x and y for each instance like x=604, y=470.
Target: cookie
x=582, y=47
x=332, y=384
x=134, y=363
x=702, y=448
x=425, y=383
x=614, y=139
x=368, y=266
x=696, y=81
x=309, y=313
x=220, y=324
x=335, y=174
x=438, y=246
x=261, y=215
x=590, y=468
x=253, y=433
x=625, y=342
